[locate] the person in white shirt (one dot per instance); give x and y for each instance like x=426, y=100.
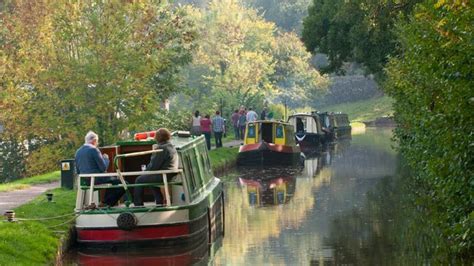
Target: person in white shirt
x=251, y=115
x=196, y=124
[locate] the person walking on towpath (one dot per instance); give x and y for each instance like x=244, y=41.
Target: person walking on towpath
x=235, y=124
x=196, y=124
x=90, y=161
x=242, y=121
x=218, y=126
x=251, y=115
x=206, y=130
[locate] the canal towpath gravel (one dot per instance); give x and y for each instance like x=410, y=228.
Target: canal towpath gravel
x=12, y=199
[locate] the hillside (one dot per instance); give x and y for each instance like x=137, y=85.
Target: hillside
x=366, y=110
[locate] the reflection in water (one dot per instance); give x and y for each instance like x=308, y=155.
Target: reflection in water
x=198, y=254
x=276, y=188
x=334, y=183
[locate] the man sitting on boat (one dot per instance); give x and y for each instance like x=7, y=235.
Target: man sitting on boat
x=90, y=161
x=165, y=160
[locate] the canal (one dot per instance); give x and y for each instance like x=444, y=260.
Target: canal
x=340, y=208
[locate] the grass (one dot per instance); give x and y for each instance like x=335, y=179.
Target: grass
x=366, y=110
x=36, y=242
x=222, y=156
x=27, y=182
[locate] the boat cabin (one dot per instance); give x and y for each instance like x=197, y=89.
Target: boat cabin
x=275, y=132
x=128, y=160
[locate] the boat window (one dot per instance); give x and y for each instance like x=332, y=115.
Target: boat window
x=251, y=131
x=300, y=125
x=189, y=171
x=279, y=131
x=267, y=132
x=205, y=165
x=195, y=168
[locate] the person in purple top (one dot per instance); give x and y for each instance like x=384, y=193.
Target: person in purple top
x=90, y=161
x=235, y=124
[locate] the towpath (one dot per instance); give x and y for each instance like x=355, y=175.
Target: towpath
x=12, y=199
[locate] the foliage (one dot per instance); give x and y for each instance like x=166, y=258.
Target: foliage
x=359, y=30
x=33, y=180
x=45, y=159
x=287, y=14
x=69, y=67
x=12, y=159
x=294, y=77
x=247, y=64
x=431, y=82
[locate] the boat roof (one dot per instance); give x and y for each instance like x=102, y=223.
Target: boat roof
x=271, y=121
x=301, y=114
x=179, y=141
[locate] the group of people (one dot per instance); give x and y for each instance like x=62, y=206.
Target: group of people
x=89, y=160
x=216, y=125
x=205, y=125
x=240, y=117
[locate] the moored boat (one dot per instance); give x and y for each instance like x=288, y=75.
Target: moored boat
x=308, y=131
x=269, y=142
x=192, y=209
x=335, y=125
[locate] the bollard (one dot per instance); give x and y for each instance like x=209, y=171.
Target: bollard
x=49, y=197
x=10, y=215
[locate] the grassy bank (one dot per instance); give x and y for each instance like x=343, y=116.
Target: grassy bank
x=366, y=110
x=27, y=182
x=35, y=242
x=30, y=242
x=222, y=157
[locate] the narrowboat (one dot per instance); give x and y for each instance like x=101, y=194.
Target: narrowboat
x=335, y=125
x=193, y=207
x=269, y=142
x=308, y=131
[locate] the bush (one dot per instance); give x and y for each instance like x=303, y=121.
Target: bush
x=45, y=159
x=12, y=159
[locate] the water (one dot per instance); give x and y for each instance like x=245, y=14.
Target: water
x=317, y=215
x=342, y=207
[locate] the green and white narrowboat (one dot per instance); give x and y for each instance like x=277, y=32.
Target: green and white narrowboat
x=194, y=200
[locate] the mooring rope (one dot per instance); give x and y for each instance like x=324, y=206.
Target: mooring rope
x=46, y=218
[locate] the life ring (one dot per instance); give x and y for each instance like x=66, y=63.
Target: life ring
x=145, y=135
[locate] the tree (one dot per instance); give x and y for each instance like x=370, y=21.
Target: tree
x=431, y=81
x=295, y=80
x=234, y=57
x=287, y=14
x=360, y=31
x=76, y=66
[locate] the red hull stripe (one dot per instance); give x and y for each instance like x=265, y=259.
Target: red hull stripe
x=148, y=233
x=271, y=147
x=105, y=260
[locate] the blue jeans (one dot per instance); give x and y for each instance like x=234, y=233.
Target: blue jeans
x=218, y=136
x=236, y=132
x=207, y=135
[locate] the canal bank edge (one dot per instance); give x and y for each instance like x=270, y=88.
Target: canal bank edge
x=43, y=241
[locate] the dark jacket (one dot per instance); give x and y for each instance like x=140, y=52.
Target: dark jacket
x=165, y=160
x=89, y=160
